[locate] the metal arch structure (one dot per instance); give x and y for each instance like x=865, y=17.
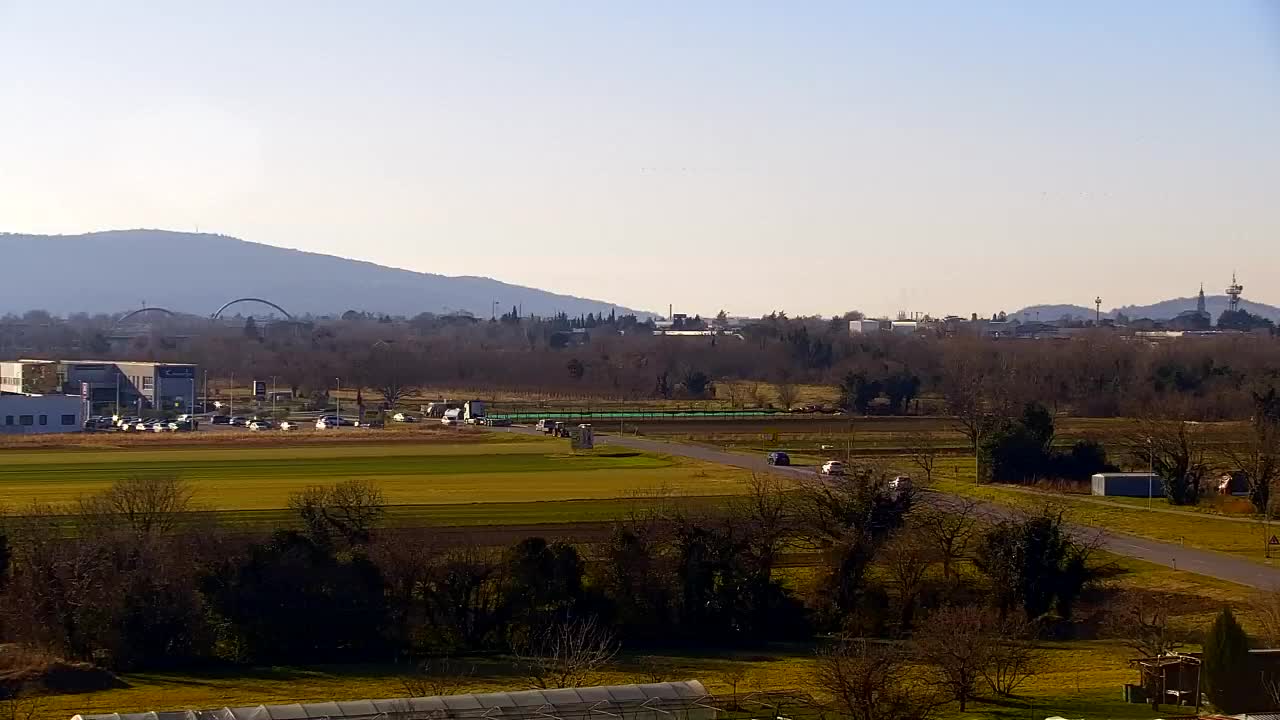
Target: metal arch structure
x=218, y=314
x=139, y=311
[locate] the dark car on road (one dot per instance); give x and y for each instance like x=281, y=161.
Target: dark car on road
x=220, y=420
x=779, y=458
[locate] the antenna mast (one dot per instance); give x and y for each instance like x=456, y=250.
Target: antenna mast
x=1233, y=294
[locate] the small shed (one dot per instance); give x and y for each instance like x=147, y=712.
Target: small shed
x=1128, y=485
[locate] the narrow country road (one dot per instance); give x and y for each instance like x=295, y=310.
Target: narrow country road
x=1201, y=562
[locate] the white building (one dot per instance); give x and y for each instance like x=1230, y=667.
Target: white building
x=864, y=327
x=130, y=386
x=40, y=414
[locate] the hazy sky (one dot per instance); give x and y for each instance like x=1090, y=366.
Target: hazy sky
x=935, y=156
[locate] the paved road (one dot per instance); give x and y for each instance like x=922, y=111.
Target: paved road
x=1201, y=562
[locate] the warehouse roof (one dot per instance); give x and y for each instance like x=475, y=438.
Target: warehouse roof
x=592, y=703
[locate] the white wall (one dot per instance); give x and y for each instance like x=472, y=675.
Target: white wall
x=10, y=377
x=15, y=408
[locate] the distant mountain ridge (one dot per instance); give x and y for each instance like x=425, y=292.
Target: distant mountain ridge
x=1163, y=310
x=197, y=273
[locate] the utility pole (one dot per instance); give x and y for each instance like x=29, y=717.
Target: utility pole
x=338, y=401
x=1151, y=469
x=273, y=397
x=231, y=394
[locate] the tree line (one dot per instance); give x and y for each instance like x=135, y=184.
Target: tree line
x=132, y=579
x=1100, y=374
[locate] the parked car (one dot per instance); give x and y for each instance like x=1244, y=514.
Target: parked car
x=449, y=420
x=238, y=421
x=498, y=422
x=832, y=467
x=779, y=458
x=287, y=426
x=374, y=424
x=141, y=426
x=220, y=420
x=260, y=425
x=404, y=418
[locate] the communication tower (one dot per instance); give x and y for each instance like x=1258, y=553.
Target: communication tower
x=1233, y=294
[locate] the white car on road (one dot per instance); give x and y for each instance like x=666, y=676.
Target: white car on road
x=832, y=467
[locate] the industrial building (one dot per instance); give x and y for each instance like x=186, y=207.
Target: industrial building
x=40, y=414
x=106, y=386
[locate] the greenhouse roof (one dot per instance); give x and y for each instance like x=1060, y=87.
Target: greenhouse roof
x=617, y=702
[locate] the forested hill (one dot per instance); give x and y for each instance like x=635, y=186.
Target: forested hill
x=196, y=273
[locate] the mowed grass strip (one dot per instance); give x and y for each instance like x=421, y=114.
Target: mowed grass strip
x=263, y=478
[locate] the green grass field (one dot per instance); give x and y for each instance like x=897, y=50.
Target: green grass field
x=530, y=479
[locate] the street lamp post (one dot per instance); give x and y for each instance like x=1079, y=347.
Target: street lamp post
x=338, y=401
x=231, y=396
x=273, y=397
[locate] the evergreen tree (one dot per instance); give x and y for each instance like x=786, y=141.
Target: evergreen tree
x=1226, y=659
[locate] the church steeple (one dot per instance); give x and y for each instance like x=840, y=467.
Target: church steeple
x=1200, y=301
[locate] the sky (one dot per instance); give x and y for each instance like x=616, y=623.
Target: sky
x=816, y=157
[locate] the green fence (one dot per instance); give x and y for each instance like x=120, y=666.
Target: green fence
x=519, y=415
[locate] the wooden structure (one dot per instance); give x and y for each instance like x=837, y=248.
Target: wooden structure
x=1172, y=679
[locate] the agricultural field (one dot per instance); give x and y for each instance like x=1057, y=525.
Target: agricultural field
x=493, y=481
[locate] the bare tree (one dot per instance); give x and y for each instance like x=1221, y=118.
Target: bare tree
x=1257, y=456
x=146, y=505
x=907, y=558
x=568, y=654
x=439, y=676
x=766, y=508
x=962, y=389
x=949, y=529
x=870, y=681
x=650, y=669
x=755, y=393
x=352, y=508
x=1177, y=455
x=922, y=452
x=20, y=703
x=1011, y=657
x=392, y=370
x=1266, y=610
x=787, y=393
x=1141, y=622
x=734, y=676
x=955, y=642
